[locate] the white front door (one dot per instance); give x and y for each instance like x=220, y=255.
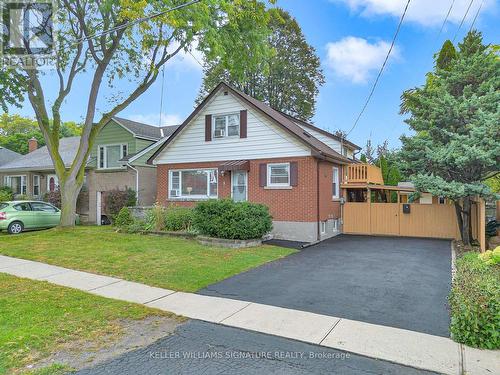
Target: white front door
x=239, y=186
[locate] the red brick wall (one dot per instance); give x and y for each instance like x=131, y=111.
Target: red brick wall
x=329, y=208
x=295, y=204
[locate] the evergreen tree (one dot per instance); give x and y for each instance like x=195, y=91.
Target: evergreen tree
x=288, y=80
x=446, y=55
x=456, y=117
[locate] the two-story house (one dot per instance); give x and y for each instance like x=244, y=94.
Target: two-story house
x=233, y=145
x=117, y=161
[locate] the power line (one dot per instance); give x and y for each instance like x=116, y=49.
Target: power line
x=196, y=59
x=446, y=18
x=475, y=17
x=161, y=96
x=381, y=70
x=139, y=20
x=463, y=19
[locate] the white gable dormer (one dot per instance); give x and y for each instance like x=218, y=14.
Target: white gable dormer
x=264, y=139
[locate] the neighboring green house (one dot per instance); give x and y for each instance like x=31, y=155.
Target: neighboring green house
x=117, y=161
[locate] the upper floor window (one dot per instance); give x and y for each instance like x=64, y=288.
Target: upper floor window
x=108, y=156
x=335, y=183
x=193, y=183
x=226, y=125
x=278, y=174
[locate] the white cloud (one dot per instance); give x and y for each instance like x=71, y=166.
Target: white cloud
x=154, y=119
x=424, y=12
x=188, y=60
x=184, y=60
x=355, y=58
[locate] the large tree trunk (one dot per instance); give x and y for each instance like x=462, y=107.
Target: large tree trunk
x=466, y=237
x=460, y=221
x=69, y=196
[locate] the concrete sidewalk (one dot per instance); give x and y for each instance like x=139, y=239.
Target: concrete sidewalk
x=400, y=346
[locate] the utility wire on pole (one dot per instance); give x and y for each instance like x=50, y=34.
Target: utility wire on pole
x=462, y=21
x=135, y=22
x=380, y=72
x=161, y=96
x=446, y=18
x=475, y=17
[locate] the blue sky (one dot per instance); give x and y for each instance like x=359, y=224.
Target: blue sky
x=351, y=38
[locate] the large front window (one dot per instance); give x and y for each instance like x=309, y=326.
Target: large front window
x=108, y=156
x=227, y=125
x=16, y=183
x=193, y=183
x=278, y=174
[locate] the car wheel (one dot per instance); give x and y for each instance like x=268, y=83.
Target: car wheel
x=15, y=227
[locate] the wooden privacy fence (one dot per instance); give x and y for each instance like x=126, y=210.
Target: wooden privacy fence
x=424, y=220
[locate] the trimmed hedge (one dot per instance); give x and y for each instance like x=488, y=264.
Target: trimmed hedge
x=178, y=218
x=232, y=220
x=475, y=303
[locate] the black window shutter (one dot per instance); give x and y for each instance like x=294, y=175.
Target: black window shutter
x=294, y=173
x=262, y=174
x=243, y=123
x=208, y=128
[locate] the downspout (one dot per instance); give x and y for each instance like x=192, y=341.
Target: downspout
x=136, y=183
x=317, y=202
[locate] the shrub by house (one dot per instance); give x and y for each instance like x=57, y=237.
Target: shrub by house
x=475, y=302
x=232, y=220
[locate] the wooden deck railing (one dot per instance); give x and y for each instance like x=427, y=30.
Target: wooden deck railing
x=363, y=173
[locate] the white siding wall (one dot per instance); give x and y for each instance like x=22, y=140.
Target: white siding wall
x=264, y=139
x=333, y=143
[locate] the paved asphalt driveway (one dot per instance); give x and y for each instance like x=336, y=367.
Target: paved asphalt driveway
x=204, y=348
x=392, y=281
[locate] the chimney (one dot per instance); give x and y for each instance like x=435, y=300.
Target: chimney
x=32, y=144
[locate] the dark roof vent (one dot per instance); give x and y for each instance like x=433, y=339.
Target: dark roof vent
x=225, y=92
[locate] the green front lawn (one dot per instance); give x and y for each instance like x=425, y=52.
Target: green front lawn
x=167, y=262
x=37, y=318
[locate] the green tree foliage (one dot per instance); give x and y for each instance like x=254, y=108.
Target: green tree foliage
x=388, y=164
x=11, y=88
x=288, y=80
x=15, y=131
x=446, y=55
x=384, y=158
x=113, y=46
x=494, y=183
x=456, y=117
